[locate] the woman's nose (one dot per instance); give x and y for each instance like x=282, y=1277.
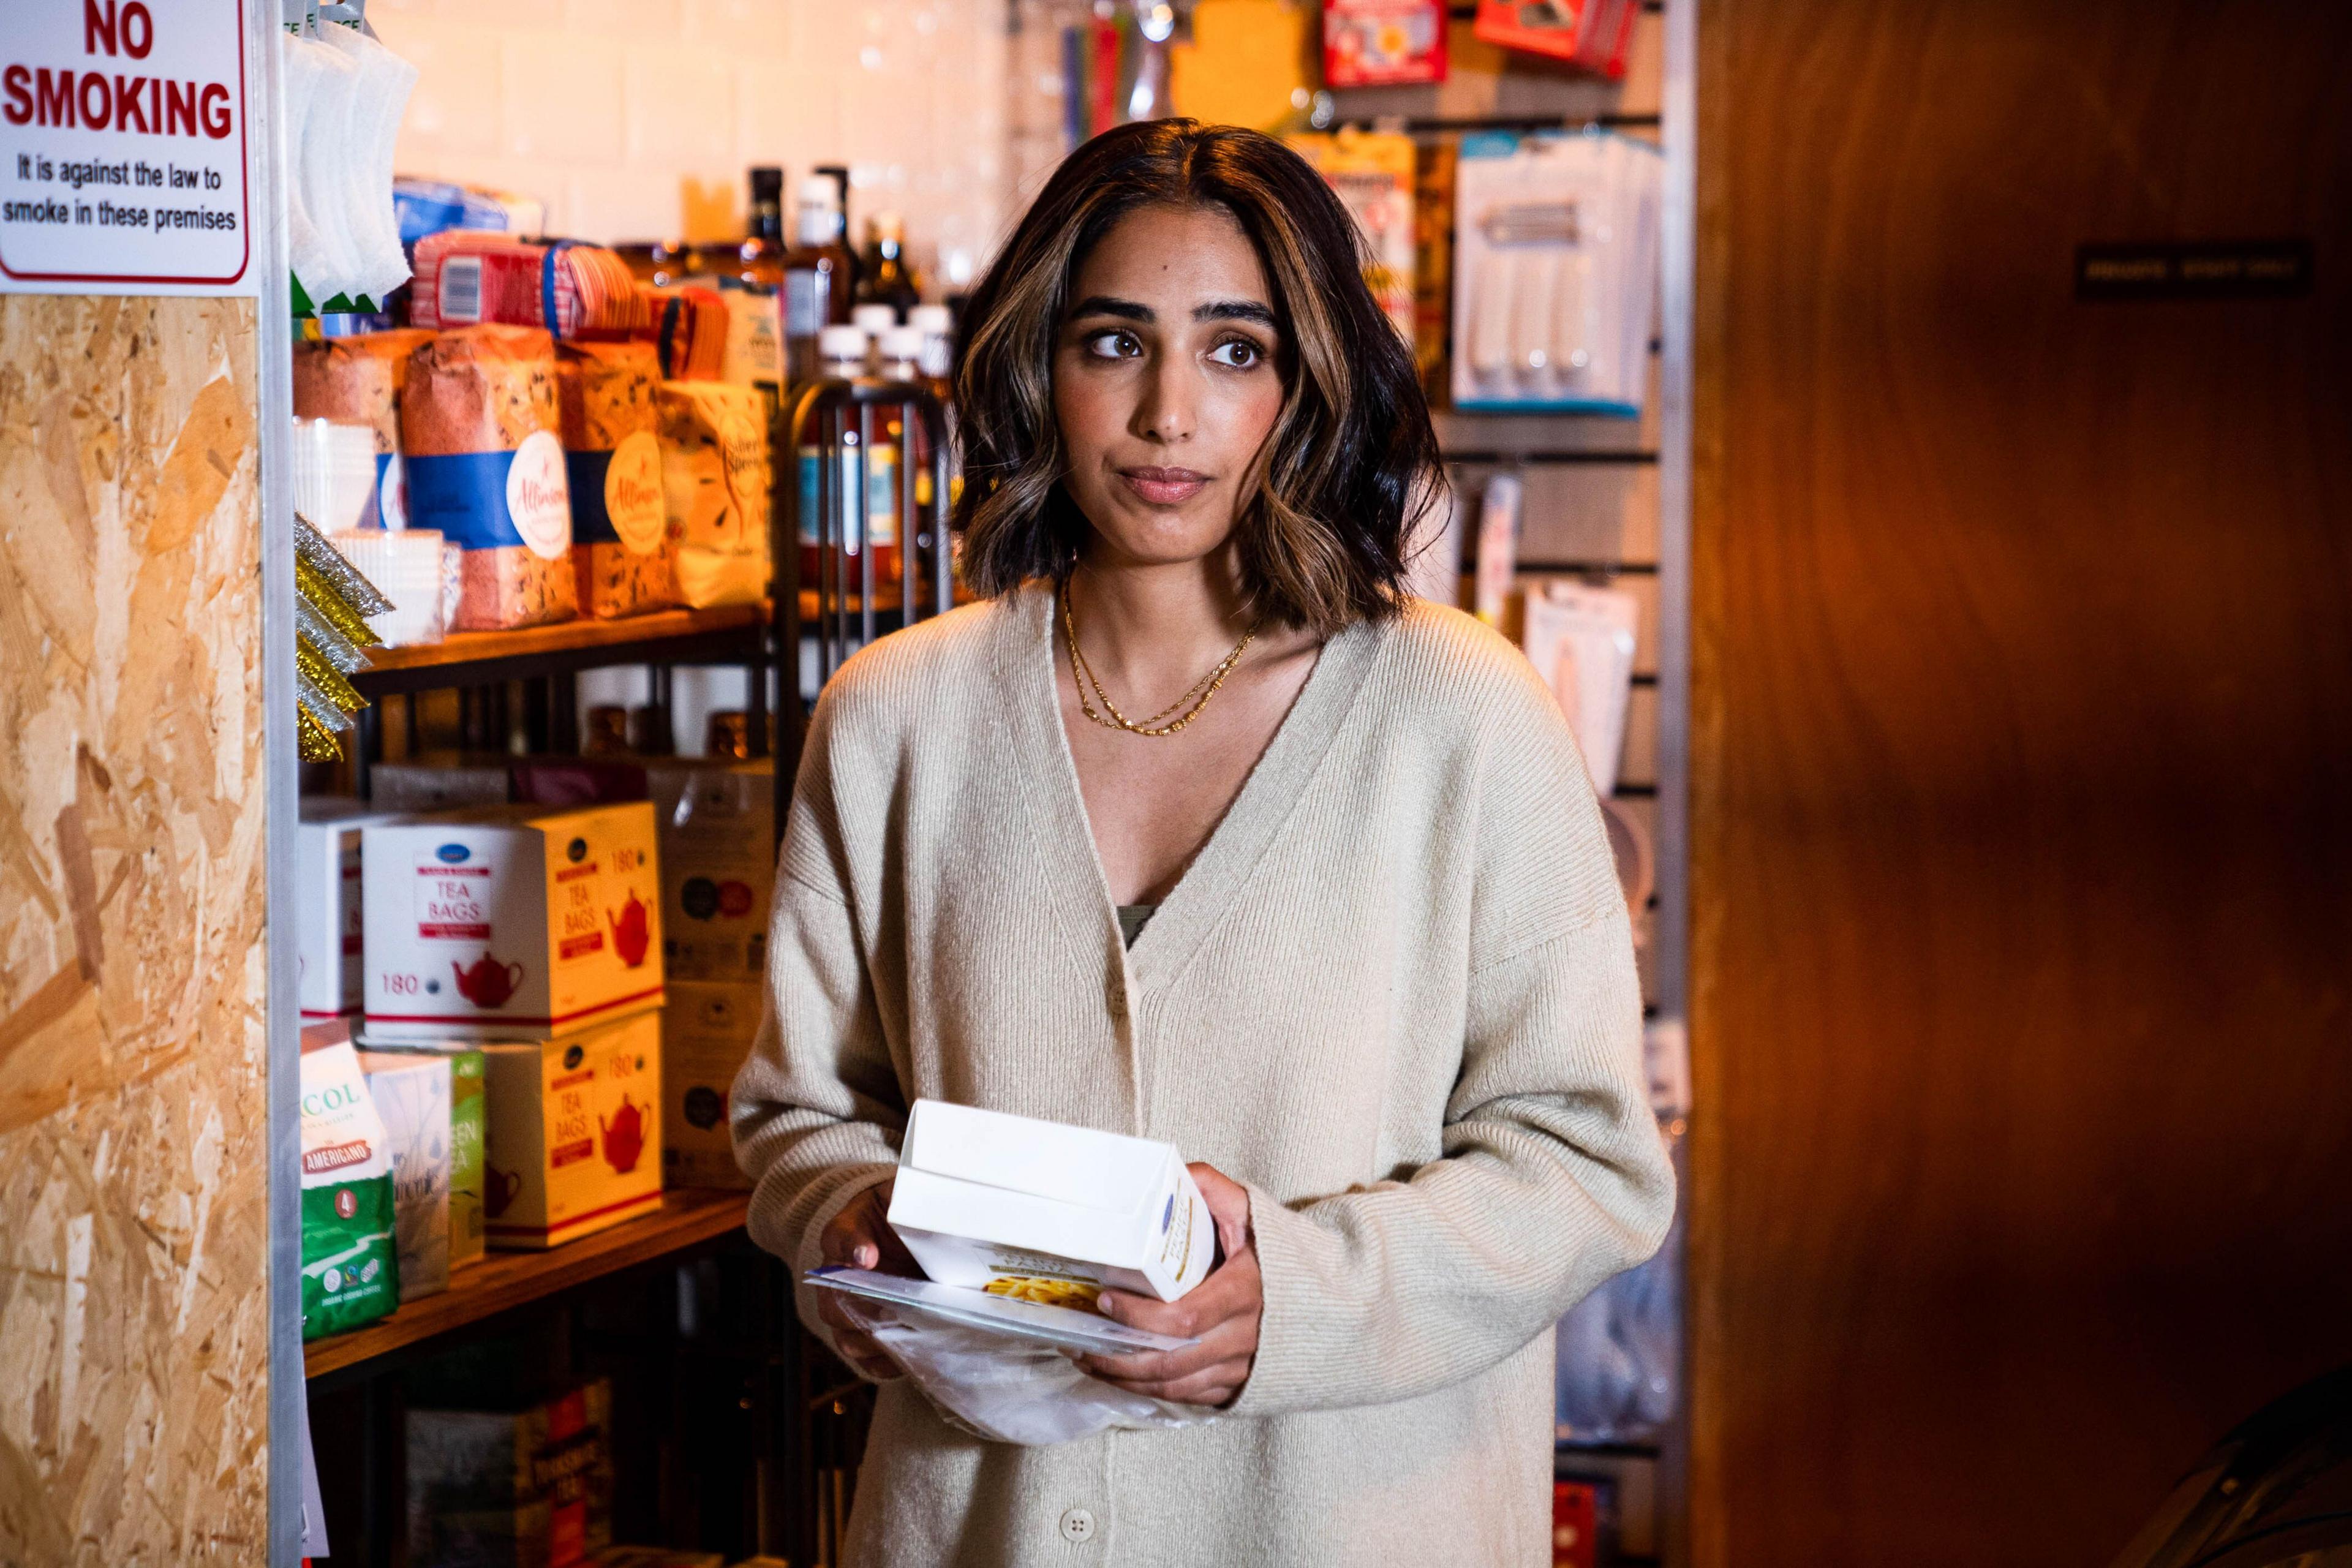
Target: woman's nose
x=1167, y=412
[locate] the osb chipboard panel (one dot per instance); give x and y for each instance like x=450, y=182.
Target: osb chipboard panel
x=133, y=1310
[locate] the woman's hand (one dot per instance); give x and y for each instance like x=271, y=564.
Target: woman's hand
x=1222, y=1312
x=860, y=1237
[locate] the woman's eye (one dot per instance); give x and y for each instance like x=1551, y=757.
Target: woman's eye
x=1113, y=345
x=1239, y=352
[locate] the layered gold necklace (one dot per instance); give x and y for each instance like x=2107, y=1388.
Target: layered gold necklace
x=1169, y=719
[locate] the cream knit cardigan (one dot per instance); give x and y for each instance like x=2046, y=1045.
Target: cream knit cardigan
x=1394, y=995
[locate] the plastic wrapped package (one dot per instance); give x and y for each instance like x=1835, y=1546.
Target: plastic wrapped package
x=1618, y=1374
x=469, y=277
x=622, y=560
x=481, y=427
x=715, y=481
x=1005, y=1390
x=1554, y=272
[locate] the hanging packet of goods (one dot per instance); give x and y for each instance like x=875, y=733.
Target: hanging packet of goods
x=351, y=1270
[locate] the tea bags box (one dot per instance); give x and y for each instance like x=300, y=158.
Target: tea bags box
x=575, y=1133
x=1039, y=1211
x=412, y=1095
x=467, y=1110
x=718, y=838
x=511, y=923
x=328, y=933
x=527, y=1489
x=706, y=1032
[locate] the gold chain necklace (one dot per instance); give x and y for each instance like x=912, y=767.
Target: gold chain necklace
x=1082, y=675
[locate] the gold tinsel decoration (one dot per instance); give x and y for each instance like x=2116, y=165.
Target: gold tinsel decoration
x=333, y=602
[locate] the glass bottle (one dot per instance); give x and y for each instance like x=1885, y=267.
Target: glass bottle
x=760, y=258
x=885, y=278
x=819, y=277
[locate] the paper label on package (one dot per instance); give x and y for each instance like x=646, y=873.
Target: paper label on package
x=539, y=495
x=123, y=150
x=633, y=493
x=453, y=901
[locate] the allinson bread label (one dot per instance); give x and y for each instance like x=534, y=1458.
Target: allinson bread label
x=539, y=498
x=633, y=493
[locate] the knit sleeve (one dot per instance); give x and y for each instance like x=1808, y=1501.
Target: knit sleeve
x=1552, y=1177
x=816, y=1110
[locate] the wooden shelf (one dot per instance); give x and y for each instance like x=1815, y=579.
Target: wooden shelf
x=689, y=1216
x=681, y=636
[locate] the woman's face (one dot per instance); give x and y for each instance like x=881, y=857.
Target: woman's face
x=1167, y=380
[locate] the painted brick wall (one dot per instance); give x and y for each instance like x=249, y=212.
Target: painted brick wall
x=634, y=119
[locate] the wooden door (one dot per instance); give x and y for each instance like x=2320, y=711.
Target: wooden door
x=2021, y=760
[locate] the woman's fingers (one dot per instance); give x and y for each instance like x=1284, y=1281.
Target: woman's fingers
x=856, y=1346
x=1229, y=1206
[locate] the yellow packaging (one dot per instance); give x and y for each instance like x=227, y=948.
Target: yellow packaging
x=707, y=1031
x=575, y=1133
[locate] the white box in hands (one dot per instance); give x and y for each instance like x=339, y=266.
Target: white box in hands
x=1038, y=1211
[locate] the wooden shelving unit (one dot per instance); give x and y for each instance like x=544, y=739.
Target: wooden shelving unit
x=689, y=1217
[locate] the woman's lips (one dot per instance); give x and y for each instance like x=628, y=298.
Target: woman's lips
x=1164, y=487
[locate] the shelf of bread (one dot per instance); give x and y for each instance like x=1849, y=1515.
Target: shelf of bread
x=689, y=1217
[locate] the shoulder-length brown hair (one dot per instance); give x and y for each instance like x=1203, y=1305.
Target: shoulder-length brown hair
x=1352, y=463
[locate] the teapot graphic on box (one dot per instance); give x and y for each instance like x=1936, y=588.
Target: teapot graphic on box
x=488, y=982
x=624, y=1137
x=501, y=1190
x=632, y=931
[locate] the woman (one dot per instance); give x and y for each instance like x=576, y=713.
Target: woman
x=1201, y=830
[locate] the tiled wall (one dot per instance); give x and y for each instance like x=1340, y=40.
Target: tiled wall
x=636, y=119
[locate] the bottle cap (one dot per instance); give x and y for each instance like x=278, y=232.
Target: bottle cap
x=903, y=343
x=767, y=183
x=874, y=319
x=937, y=321
x=841, y=342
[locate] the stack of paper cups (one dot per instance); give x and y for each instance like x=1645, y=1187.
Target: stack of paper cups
x=334, y=475
x=407, y=567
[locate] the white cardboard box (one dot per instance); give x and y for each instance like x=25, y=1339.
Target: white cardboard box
x=707, y=1029
x=511, y=923
x=1045, y=1212
x=328, y=928
x=411, y=1097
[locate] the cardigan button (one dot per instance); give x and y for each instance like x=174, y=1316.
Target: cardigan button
x=1079, y=1526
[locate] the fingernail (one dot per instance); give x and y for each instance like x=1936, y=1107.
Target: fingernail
x=867, y=1256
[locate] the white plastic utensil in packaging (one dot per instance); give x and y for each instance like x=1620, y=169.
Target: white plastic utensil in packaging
x=1554, y=272
x=1580, y=640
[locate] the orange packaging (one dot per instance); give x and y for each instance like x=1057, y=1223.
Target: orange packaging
x=575, y=1127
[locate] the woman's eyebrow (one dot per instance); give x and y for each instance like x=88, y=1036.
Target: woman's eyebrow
x=1236, y=310
x=1104, y=305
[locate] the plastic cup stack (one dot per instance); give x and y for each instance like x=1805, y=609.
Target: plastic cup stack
x=407, y=567
x=334, y=475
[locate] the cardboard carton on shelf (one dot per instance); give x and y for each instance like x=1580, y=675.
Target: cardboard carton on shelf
x=469, y=1127
x=707, y=1031
x=529, y=1488
x=717, y=821
x=511, y=924
x=575, y=1134
x=1042, y=1211
x=329, y=930
x=412, y=1095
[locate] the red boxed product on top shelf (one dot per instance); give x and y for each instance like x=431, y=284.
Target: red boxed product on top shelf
x=1589, y=33
x=1383, y=43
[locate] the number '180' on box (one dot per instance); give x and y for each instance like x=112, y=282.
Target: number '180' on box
x=1040, y=1211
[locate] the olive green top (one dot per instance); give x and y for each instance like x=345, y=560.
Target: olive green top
x=1130, y=920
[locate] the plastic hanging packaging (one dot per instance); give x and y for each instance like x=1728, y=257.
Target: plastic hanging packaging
x=1555, y=273
x=361, y=164
x=1617, y=1377
x=1005, y=1390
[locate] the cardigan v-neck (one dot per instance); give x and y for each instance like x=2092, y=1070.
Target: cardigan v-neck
x=1394, y=996
x=1190, y=911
